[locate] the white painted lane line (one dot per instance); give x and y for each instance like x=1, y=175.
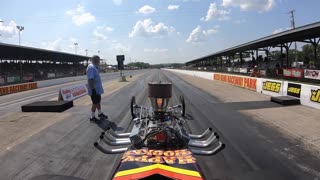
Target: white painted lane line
x=28, y=100
x=29, y=97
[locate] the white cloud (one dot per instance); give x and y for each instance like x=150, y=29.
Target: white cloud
x=109, y=29
x=119, y=48
x=155, y=50
x=209, y=32
x=146, y=9
x=173, y=7
x=99, y=36
x=246, y=5
x=99, y=32
x=62, y=45
x=80, y=16
x=198, y=35
x=240, y=21
x=54, y=45
x=279, y=30
x=189, y=0
x=117, y=2
x=8, y=31
x=215, y=13
x=147, y=28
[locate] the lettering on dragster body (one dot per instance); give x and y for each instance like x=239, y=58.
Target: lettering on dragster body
x=156, y=159
x=271, y=86
x=186, y=159
x=143, y=158
x=182, y=156
x=315, y=96
x=170, y=160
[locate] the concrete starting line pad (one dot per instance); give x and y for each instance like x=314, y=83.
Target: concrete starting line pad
x=47, y=106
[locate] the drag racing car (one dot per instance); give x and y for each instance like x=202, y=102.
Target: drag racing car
x=158, y=146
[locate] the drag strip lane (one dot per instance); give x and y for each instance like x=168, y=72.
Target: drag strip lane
x=252, y=148
x=66, y=147
x=12, y=102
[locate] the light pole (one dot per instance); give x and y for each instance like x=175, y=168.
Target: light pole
x=293, y=26
x=87, y=56
x=20, y=28
x=1, y=22
x=75, y=47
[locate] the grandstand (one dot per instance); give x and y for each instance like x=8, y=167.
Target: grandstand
x=20, y=64
x=282, y=64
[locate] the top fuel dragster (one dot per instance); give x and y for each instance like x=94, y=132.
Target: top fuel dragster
x=158, y=146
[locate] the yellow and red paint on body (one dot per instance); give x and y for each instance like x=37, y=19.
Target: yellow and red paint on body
x=159, y=162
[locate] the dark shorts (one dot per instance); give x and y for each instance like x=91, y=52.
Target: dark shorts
x=96, y=99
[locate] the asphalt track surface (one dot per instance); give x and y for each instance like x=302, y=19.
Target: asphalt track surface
x=65, y=150
x=13, y=102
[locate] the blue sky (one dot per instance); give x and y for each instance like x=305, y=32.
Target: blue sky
x=153, y=31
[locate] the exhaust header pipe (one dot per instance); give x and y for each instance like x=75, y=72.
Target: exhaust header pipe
x=214, y=151
x=109, y=151
x=196, y=136
x=203, y=144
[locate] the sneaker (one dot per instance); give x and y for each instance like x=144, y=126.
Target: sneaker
x=93, y=119
x=103, y=116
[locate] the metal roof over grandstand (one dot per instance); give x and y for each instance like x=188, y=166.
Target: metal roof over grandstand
x=16, y=52
x=302, y=33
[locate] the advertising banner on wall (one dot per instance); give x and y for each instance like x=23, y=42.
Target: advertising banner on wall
x=243, y=70
x=28, y=77
x=2, y=80
x=297, y=73
x=236, y=69
x=263, y=72
x=241, y=81
x=51, y=75
x=315, y=95
x=73, y=92
x=312, y=74
x=271, y=87
x=310, y=96
x=17, y=88
x=294, y=90
x=16, y=78
x=10, y=79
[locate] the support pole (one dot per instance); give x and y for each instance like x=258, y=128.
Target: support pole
x=287, y=55
x=257, y=59
x=240, y=59
x=315, y=44
x=281, y=59
x=233, y=58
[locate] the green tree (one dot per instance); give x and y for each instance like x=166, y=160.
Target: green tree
x=140, y=65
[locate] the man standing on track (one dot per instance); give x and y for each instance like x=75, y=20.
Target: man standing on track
x=95, y=88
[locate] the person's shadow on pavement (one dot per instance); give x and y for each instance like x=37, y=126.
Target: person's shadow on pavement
x=104, y=124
